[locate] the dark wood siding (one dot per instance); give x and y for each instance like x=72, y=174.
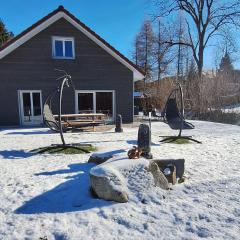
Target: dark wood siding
x=31, y=67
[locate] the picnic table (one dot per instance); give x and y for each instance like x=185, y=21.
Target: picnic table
x=82, y=119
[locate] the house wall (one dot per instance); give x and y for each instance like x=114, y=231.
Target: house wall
x=31, y=67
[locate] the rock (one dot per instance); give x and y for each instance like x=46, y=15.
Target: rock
x=108, y=184
x=119, y=123
x=178, y=163
x=117, y=178
x=144, y=140
x=99, y=158
x=103, y=188
x=159, y=178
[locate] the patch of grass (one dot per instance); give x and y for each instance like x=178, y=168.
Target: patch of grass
x=179, y=141
x=58, y=149
x=43, y=238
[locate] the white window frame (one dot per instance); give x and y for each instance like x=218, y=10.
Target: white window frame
x=63, y=39
x=94, y=100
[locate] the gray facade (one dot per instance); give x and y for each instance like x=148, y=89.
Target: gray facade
x=31, y=67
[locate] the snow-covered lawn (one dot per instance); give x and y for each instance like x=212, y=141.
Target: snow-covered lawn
x=234, y=108
x=47, y=195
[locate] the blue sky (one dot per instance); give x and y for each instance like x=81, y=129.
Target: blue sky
x=117, y=21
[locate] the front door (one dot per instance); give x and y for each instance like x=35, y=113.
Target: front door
x=30, y=103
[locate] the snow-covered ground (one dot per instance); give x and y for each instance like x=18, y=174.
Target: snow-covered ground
x=233, y=108
x=48, y=195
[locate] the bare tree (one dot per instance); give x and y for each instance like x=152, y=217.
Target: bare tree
x=136, y=50
x=204, y=19
x=143, y=49
x=191, y=86
x=163, y=55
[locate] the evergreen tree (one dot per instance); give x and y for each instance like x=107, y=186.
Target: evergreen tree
x=226, y=63
x=5, y=35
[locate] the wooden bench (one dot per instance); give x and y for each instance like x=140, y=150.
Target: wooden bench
x=82, y=120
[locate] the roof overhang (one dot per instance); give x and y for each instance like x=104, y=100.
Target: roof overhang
x=55, y=16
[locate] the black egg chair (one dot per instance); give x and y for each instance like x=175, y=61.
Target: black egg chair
x=174, y=117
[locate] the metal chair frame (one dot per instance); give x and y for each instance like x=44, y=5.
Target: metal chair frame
x=57, y=126
x=179, y=136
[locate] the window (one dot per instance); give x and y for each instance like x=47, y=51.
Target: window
x=63, y=48
x=96, y=101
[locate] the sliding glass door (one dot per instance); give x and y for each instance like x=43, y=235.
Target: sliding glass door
x=30, y=104
x=104, y=103
x=96, y=102
x=85, y=102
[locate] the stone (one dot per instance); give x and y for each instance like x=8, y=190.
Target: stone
x=178, y=163
x=118, y=127
x=108, y=183
x=159, y=178
x=99, y=158
x=116, y=178
x=103, y=187
x=144, y=141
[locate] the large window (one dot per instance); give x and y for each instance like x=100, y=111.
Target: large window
x=104, y=103
x=63, y=48
x=96, y=102
x=85, y=102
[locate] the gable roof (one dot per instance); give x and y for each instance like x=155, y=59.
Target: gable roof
x=52, y=17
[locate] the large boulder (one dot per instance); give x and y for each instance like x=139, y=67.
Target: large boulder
x=118, y=179
x=107, y=183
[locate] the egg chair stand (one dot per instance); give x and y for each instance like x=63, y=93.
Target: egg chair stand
x=175, y=117
x=60, y=126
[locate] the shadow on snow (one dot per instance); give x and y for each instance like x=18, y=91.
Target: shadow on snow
x=15, y=154
x=39, y=132
x=135, y=142
x=70, y=196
